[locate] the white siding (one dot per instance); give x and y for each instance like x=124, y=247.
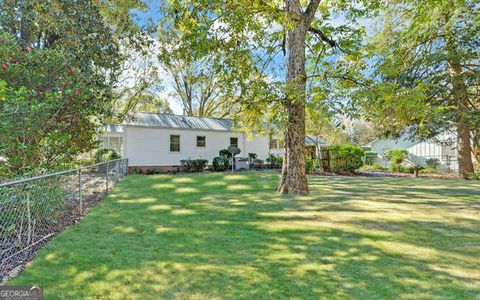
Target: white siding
x=258, y=145
x=151, y=146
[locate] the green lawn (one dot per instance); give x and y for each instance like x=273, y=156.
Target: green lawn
x=231, y=236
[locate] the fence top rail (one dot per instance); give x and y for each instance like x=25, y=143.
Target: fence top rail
x=23, y=180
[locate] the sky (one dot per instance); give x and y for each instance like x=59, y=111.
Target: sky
x=152, y=15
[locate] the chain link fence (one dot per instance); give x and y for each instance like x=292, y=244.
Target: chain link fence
x=33, y=210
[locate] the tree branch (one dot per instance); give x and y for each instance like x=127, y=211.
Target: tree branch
x=326, y=39
x=309, y=13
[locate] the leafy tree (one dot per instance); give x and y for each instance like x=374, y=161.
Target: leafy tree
x=427, y=56
x=251, y=36
x=60, y=63
x=146, y=102
x=47, y=108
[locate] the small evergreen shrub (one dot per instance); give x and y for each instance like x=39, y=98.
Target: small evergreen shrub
x=220, y=163
x=225, y=153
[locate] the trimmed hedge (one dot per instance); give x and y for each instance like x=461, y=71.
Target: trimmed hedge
x=220, y=163
x=193, y=165
x=346, y=158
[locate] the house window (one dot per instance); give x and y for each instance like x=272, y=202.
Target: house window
x=201, y=141
x=234, y=141
x=113, y=142
x=281, y=144
x=174, y=143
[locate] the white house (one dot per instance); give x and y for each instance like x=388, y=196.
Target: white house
x=162, y=140
x=442, y=147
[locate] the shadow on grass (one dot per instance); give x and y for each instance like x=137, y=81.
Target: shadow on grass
x=232, y=236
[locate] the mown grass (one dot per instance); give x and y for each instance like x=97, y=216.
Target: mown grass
x=229, y=236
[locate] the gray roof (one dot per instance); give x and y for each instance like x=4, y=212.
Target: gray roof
x=311, y=141
x=178, y=121
x=113, y=128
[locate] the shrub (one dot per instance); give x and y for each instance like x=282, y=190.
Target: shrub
x=346, y=158
x=275, y=162
x=310, y=166
x=375, y=167
x=474, y=176
x=225, y=153
x=433, y=163
x=429, y=170
x=370, y=157
x=251, y=158
x=105, y=155
x=407, y=169
x=220, y=163
x=397, y=157
x=258, y=163
x=279, y=161
x=193, y=165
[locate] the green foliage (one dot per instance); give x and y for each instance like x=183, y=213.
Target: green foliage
x=193, y=165
x=375, y=167
x=275, y=162
x=104, y=154
x=46, y=121
x=346, y=157
x=310, y=166
x=220, y=163
x=370, y=157
x=433, y=163
x=46, y=202
x=176, y=230
x=251, y=158
x=426, y=80
x=258, y=163
x=429, y=170
x=225, y=153
x=397, y=157
x=474, y=176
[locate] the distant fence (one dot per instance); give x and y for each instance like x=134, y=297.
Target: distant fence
x=33, y=210
x=329, y=162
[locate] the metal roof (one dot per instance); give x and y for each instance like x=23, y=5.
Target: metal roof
x=113, y=128
x=178, y=121
x=311, y=141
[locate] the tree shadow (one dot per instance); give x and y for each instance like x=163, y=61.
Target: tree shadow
x=230, y=236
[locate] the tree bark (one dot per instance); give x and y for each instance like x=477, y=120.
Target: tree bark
x=294, y=179
x=459, y=92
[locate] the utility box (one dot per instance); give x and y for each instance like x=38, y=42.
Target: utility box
x=241, y=163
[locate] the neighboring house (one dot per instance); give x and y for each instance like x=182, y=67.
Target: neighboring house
x=442, y=147
x=162, y=140
x=312, y=144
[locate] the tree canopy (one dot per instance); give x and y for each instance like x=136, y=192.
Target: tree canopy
x=426, y=69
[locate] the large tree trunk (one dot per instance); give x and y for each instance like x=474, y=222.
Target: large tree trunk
x=294, y=180
x=459, y=91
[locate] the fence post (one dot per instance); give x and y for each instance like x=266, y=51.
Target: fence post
x=29, y=219
x=126, y=167
x=106, y=174
x=80, y=190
